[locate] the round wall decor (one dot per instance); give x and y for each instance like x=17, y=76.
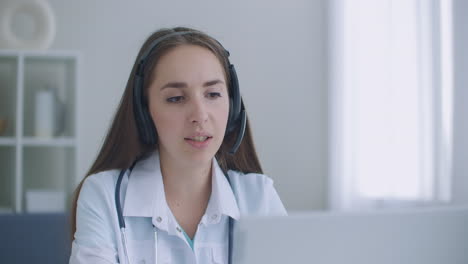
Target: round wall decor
x=41, y=18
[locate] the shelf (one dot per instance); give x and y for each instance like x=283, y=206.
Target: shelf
x=7, y=176
x=7, y=141
x=8, y=95
x=47, y=179
x=39, y=53
x=54, y=78
x=45, y=142
x=38, y=129
x=6, y=210
x=38, y=176
x=49, y=142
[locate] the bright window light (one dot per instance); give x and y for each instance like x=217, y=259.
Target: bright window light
x=391, y=127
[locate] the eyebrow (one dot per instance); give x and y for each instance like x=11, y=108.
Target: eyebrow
x=184, y=85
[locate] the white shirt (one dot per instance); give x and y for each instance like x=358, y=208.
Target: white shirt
x=97, y=236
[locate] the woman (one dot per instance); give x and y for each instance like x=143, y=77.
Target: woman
x=178, y=165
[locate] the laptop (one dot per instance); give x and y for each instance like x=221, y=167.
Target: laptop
x=416, y=236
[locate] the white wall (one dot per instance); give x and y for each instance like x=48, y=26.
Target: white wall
x=278, y=48
x=460, y=155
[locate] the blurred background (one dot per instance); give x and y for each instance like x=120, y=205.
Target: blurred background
x=354, y=104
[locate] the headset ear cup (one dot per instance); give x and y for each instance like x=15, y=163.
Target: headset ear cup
x=230, y=123
x=148, y=127
x=144, y=123
x=234, y=100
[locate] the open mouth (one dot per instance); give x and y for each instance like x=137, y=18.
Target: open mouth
x=199, y=139
x=199, y=142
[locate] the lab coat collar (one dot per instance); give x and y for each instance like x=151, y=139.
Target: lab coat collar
x=222, y=200
x=145, y=195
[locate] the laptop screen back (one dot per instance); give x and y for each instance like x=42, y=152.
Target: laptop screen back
x=429, y=236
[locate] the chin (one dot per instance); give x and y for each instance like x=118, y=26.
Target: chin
x=202, y=153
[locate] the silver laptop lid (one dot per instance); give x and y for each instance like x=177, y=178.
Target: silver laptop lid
x=429, y=236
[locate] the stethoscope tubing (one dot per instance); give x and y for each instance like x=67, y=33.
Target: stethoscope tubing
x=123, y=228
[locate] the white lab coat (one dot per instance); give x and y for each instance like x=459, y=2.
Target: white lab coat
x=97, y=238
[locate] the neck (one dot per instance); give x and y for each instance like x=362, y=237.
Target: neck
x=186, y=182
x=188, y=190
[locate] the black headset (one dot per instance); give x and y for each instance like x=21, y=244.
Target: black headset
x=144, y=122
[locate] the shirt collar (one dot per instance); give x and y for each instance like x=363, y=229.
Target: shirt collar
x=145, y=195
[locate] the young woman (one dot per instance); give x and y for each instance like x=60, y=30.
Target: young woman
x=178, y=166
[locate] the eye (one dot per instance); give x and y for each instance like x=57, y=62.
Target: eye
x=174, y=99
x=214, y=95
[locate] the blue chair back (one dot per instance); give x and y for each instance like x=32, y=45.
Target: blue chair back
x=34, y=238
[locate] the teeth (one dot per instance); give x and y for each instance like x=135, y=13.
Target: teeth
x=200, y=139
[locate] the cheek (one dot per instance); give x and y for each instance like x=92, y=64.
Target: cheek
x=223, y=114
x=162, y=121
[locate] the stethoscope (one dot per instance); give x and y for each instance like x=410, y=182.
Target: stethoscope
x=122, y=222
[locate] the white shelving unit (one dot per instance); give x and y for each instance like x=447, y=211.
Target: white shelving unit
x=29, y=162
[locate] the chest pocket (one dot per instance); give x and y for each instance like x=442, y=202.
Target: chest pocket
x=214, y=254
x=219, y=256
x=140, y=240
x=141, y=251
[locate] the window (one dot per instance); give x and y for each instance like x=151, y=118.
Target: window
x=390, y=102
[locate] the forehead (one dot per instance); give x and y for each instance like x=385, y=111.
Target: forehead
x=188, y=62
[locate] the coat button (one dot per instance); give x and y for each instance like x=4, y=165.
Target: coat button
x=159, y=219
x=214, y=217
x=178, y=229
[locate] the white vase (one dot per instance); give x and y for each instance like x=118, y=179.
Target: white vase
x=44, y=122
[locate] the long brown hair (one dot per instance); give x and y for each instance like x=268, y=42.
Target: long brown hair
x=122, y=145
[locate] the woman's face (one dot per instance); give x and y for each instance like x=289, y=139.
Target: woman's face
x=189, y=104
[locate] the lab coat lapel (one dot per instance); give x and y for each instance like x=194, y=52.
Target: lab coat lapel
x=145, y=192
x=222, y=200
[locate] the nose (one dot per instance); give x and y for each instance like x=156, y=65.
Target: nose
x=198, y=111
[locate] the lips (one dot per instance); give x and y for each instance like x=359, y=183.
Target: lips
x=199, y=140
